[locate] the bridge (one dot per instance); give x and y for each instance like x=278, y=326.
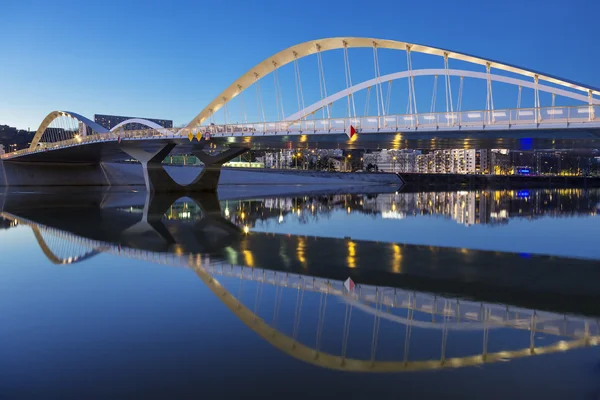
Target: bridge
x=463, y=111
x=406, y=313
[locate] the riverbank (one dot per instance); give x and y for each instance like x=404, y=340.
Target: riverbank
x=453, y=181
x=13, y=174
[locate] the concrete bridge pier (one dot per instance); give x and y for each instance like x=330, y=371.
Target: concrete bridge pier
x=158, y=180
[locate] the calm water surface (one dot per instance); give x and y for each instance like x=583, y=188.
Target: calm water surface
x=464, y=294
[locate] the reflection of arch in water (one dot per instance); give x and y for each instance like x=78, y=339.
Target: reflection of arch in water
x=312, y=356
x=294, y=348
x=54, y=258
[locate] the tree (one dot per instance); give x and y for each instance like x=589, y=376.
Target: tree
x=322, y=163
x=372, y=167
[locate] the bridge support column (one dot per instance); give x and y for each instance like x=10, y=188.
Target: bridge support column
x=208, y=180
x=155, y=176
x=158, y=180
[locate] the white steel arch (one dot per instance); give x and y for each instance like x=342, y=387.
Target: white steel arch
x=311, y=47
x=432, y=72
x=141, y=121
x=57, y=114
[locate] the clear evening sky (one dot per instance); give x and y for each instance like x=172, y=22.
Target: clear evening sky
x=169, y=59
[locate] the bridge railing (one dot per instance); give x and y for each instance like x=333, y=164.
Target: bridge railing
x=527, y=118
x=510, y=118
x=99, y=137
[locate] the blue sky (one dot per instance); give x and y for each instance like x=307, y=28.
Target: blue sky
x=168, y=60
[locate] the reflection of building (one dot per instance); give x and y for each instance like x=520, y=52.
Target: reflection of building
x=110, y=121
x=464, y=207
x=468, y=208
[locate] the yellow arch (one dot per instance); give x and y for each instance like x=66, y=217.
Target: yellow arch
x=45, y=249
x=54, y=259
x=57, y=114
x=311, y=47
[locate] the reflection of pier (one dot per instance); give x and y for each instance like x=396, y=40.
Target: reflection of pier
x=309, y=297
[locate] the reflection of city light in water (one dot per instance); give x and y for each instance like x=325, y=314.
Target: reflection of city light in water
x=249, y=258
x=351, y=254
x=397, y=265
x=300, y=250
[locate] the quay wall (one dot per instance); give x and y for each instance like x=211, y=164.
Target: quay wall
x=131, y=174
x=416, y=181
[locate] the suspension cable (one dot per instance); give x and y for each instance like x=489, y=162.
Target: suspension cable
x=225, y=111
x=349, y=74
x=537, y=99
x=259, y=103
x=322, y=84
x=278, y=92
x=346, y=75
x=433, y=95
x=448, y=84
x=244, y=113
x=460, y=94
x=411, y=80
x=366, y=114
x=389, y=97
x=378, y=90
x=490, y=98
x=298, y=81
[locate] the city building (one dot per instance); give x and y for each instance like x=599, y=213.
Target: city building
x=500, y=162
x=2, y=149
x=277, y=159
x=392, y=160
x=454, y=161
x=110, y=121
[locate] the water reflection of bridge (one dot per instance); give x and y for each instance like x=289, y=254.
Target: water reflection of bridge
x=314, y=300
